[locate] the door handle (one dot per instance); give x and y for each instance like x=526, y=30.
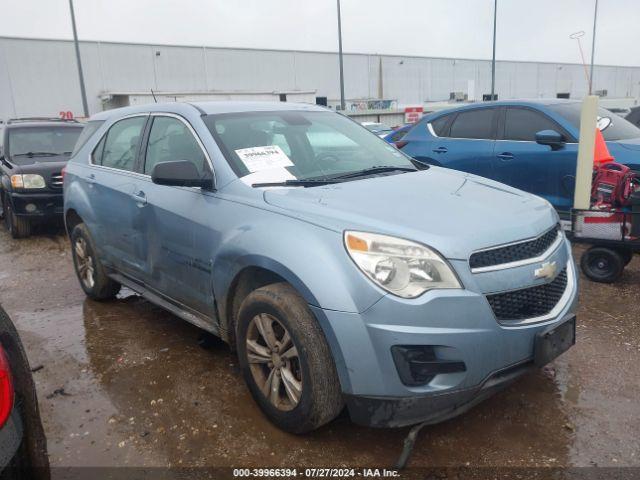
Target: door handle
x=505, y=156
x=140, y=197
x=440, y=150
x=91, y=179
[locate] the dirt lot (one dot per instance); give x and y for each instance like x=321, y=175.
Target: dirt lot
x=125, y=383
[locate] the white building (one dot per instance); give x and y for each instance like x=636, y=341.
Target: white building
x=40, y=77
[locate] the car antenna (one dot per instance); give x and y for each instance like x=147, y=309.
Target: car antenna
x=154, y=96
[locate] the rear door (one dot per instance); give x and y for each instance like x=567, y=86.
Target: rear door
x=116, y=197
x=180, y=221
x=523, y=163
x=467, y=142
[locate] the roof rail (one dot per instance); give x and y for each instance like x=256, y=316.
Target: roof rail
x=41, y=119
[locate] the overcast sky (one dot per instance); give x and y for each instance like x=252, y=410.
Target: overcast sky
x=527, y=29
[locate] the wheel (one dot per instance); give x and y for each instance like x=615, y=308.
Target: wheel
x=286, y=361
x=93, y=279
x=626, y=254
x=602, y=264
x=18, y=227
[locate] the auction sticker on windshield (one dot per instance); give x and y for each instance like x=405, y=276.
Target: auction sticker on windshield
x=263, y=158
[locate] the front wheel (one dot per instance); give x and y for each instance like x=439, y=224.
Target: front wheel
x=286, y=361
x=602, y=264
x=18, y=227
x=93, y=279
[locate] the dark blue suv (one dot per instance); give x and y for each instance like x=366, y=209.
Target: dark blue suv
x=530, y=145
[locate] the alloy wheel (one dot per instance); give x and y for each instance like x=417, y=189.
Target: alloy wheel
x=274, y=362
x=84, y=262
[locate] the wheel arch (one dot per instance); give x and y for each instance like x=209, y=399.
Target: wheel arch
x=253, y=272
x=71, y=219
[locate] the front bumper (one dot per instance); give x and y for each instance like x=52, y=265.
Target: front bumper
x=459, y=326
x=34, y=205
x=430, y=408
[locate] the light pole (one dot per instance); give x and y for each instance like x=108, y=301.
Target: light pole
x=83, y=92
x=342, y=104
x=593, y=46
x=493, y=58
x=577, y=36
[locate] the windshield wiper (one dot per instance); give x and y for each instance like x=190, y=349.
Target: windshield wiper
x=36, y=154
x=374, y=170
x=298, y=183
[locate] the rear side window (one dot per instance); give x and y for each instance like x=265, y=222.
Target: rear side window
x=522, y=124
x=88, y=130
x=473, y=124
x=122, y=143
x=439, y=125
x=171, y=140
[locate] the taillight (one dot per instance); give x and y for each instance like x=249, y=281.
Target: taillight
x=63, y=171
x=400, y=143
x=6, y=388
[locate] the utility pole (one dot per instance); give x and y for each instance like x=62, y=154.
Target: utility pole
x=342, y=104
x=493, y=58
x=593, y=46
x=83, y=92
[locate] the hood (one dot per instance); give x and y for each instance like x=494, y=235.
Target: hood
x=453, y=212
x=36, y=162
x=632, y=144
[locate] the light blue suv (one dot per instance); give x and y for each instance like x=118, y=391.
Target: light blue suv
x=341, y=272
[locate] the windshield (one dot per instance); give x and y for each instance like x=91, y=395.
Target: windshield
x=613, y=127
x=299, y=145
x=41, y=141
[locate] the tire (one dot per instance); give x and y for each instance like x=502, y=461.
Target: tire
x=626, y=254
x=18, y=227
x=602, y=265
x=306, y=361
x=90, y=272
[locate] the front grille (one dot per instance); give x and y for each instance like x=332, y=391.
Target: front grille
x=528, y=302
x=515, y=252
x=56, y=180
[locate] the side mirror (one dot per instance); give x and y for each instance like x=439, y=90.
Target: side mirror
x=180, y=174
x=550, y=138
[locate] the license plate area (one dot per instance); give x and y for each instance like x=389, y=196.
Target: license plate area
x=551, y=343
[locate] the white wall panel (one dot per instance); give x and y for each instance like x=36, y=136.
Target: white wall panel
x=40, y=77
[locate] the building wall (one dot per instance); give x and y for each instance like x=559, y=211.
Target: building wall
x=39, y=77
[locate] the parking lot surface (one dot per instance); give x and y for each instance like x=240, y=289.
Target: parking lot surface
x=126, y=383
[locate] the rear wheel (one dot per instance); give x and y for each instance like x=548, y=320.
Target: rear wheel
x=286, y=361
x=91, y=274
x=18, y=227
x=602, y=264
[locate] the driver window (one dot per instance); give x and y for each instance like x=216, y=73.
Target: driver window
x=122, y=143
x=171, y=140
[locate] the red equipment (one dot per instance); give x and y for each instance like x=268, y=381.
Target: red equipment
x=613, y=184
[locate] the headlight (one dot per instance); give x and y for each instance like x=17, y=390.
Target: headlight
x=404, y=268
x=27, y=180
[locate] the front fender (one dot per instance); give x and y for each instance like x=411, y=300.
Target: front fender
x=311, y=258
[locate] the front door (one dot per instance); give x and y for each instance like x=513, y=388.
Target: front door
x=180, y=234
x=522, y=163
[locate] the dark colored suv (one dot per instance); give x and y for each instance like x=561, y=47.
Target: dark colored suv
x=33, y=152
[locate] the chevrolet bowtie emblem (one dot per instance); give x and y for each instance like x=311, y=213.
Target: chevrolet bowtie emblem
x=546, y=270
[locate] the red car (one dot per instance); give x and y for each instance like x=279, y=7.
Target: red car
x=23, y=446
